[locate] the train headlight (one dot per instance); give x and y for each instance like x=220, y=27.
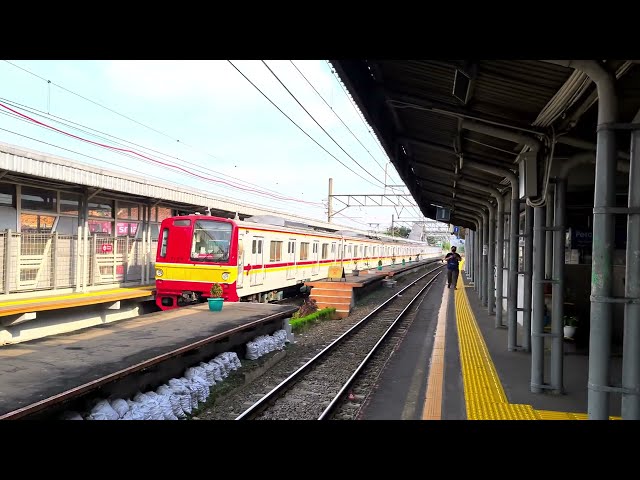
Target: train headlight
x=225, y=276
x=159, y=272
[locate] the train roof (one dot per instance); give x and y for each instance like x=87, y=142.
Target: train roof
x=285, y=225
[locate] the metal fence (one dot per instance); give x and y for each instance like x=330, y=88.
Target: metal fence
x=50, y=261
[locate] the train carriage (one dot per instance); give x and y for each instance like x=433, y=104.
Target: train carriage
x=260, y=258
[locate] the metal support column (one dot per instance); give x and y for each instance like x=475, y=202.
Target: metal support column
x=548, y=256
x=512, y=295
x=631, y=341
x=491, y=251
x=528, y=266
x=557, y=299
x=601, y=274
x=499, y=261
x=485, y=258
x=537, y=324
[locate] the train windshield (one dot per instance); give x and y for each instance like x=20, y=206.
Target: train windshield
x=211, y=241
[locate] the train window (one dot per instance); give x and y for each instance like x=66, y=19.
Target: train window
x=275, y=253
x=366, y=251
x=165, y=239
x=211, y=241
x=374, y=251
x=304, y=250
x=333, y=248
x=325, y=251
x=259, y=247
x=291, y=247
x=253, y=247
x=181, y=223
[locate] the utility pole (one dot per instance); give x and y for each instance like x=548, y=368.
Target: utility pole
x=392, y=220
x=330, y=201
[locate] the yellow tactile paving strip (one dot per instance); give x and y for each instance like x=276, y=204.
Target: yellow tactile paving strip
x=484, y=396
x=53, y=302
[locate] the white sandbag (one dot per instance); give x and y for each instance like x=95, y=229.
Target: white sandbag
x=136, y=411
x=183, y=393
x=103, y=411
x=165, y=406
x=174, y=400
x=235, y=360
x=120, y=406
x=223, y=370
x=193, y=391
x=217, y=372
x=253, y=352
x=211, y=378
x=200, y=384
x=225, y=361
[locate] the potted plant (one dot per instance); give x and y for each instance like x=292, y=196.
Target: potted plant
x=570, y=326
x=379, y=264
x=215, y=299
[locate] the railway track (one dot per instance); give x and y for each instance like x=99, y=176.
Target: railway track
x=319, y=386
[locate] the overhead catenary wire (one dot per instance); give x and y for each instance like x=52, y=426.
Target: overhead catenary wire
x=177, y=167
x=337, y=116
x=49, y=82
x=262, y=192
x=299, y=127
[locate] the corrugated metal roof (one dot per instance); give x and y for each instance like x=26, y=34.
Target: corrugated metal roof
x=57, y=169
x=510, y=92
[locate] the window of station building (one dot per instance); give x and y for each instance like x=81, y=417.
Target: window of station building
x=100, y=228
x=325, y=251
x=7, y=195
x=100, y=207
x=69, y=203
x=128, y=211
x=275, y=251
x=67, y=225
x=304, y=250
x=32, y=198
x=35, y=223
x=161, y=213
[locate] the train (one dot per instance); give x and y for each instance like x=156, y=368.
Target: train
x=262, y=258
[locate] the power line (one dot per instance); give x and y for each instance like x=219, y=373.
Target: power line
x=263, y=192
x=111, y=110
x=144, y=174
x=178, y=167
x=317, y=123
x=299, y=127
x=352, y=102
x=337, y=116
x=89, y=100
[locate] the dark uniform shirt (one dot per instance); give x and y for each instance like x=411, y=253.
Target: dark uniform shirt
x=453, y=260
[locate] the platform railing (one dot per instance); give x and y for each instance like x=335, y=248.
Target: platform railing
x=50, y=261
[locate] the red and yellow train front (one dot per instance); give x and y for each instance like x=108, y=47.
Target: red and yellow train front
x=195, y=251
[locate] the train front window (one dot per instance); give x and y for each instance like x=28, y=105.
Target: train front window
x=211, y=241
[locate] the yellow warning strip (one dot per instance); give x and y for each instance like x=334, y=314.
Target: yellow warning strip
x=432, y=409
x=484, y=396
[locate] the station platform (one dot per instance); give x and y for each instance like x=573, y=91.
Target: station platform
x=453, y=364
x=39, y=303
x=340, y=293
x=35, y=371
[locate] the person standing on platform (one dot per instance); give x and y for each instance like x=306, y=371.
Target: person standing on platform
x=453, y=260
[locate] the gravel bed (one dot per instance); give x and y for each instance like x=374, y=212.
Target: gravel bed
x=308, y=343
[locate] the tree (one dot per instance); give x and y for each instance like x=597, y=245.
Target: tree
x=398, y=232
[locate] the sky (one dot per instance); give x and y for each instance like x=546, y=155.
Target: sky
x=206, y=118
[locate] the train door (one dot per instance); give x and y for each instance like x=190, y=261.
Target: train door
x=315, y=268
x=240, y=280
x=291, y=259
x=334, y=252
x=257, y=261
